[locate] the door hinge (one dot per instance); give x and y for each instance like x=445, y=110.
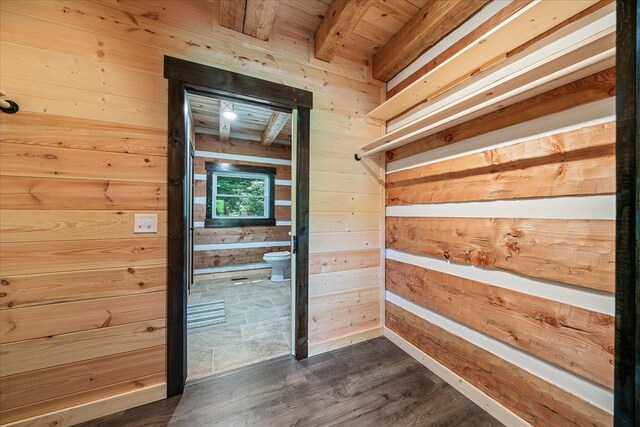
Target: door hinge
x=294, y=241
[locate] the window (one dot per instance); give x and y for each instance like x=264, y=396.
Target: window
x=239, y=195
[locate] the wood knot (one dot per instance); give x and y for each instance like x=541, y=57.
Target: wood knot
x=131, y=270
x=4, y=282
x=151, y=329
x=448, y=137
x=496, y=301
x=141, y=284
x=3, y=294
x=446, y=255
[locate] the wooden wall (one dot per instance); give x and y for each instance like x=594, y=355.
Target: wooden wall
x=87, y=150
x=500, y=261
x=276, y=238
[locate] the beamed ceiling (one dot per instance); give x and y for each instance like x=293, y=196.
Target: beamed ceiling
x=390, y=34
x=253, y=123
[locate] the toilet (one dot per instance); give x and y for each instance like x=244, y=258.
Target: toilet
x=281, y=265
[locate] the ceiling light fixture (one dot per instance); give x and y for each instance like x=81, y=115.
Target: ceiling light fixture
x=229, y=114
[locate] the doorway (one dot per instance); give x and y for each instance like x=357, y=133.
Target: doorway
x=239, y=302
x=188, y=81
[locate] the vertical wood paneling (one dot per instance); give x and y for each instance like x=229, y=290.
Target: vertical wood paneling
x=88, y=148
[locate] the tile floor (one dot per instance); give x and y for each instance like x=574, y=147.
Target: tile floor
x=257, y=327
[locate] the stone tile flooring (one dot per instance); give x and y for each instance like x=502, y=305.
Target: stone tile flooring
x=258, y=325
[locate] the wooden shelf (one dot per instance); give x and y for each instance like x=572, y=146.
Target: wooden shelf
x=579, y=49
x=487, y=49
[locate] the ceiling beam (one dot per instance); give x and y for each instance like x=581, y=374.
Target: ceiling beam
x=232, y=14
x=259, y=18
x=275, y=125
x=338, y=23
x=225, y=124
x=434, y=21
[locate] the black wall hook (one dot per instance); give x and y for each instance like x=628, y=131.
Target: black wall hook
x=12, y=109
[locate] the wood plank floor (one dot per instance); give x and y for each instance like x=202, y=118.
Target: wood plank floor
x=369, y=384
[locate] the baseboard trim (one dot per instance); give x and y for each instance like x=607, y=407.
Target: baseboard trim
x=96, y=409
x=323, y=347
x=495, y=409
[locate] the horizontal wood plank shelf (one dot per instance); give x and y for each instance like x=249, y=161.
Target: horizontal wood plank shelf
x=491, y=47
x=577, y=50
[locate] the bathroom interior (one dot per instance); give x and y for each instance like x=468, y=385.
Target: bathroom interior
x=240, y=299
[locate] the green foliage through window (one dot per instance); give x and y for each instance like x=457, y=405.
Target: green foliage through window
x=238, y=196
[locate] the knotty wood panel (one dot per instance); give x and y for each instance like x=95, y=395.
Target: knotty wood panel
x=332, y=222
x=224, y=257
x=577, y=162
x=25, y=356
x=355, y=241
x=433, y=22
x=49, y=130
x=340, y=300
x=38, y=161
x=107, y=395
x=51, y=257
x=49, y=193
x=325, y=262
x=340, y=319
x=242, y=147
x=578, y=252
x=532, y=398
x=50, y=288
x=571, y=337
x=94, y=84
x=337, y=281
x=592, y=88
x=323, y=201
x=334, y=181
x=337, y=25
x=331, y=340
x=283, y=213
x=29, y=387
x=60, y=225
x=461, y=44
x=204, y=236
x=26, y=323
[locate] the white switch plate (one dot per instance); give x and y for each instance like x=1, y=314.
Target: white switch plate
x=145, y=223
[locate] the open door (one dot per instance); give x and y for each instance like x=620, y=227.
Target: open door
x=187, y=77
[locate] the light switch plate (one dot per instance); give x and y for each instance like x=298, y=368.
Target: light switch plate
x=145, y=223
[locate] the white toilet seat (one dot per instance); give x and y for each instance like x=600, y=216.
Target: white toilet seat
x=278, y=255
x=280, y=265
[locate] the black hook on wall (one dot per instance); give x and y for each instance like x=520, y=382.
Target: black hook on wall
x=11, y=109
x=7, y=106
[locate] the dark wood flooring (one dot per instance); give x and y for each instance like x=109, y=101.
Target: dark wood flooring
x=369, y=384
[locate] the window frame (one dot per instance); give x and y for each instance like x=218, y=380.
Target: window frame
x=229, y=169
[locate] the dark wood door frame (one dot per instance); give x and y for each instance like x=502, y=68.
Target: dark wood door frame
x=185, y=77
x=627, y=345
